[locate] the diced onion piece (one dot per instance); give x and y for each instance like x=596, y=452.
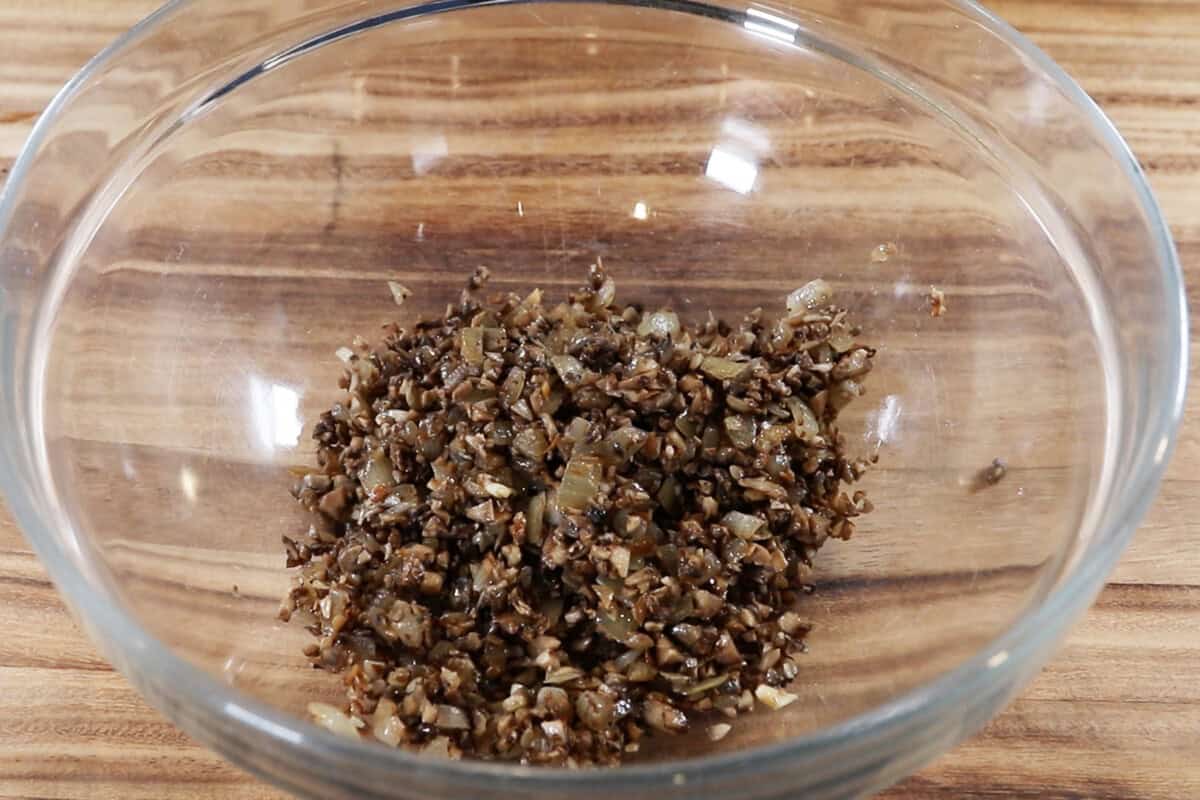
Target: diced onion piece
x=452, y=718
x=484, y=512
x=620, y=560
x=496, y=489
x=534, y=518
x=744, y=526
x=378, y=471
x=561, y=675
x=384, y=709
x=769, y=488
x=807, y=426
x=399, y=291
x=813, y=294
x=531, y=443
x=626, y=441
x=580, y=482
x=607, y=292
x=472, y=346
x=335, y=720
x=840, y=339
x=390, y=732
x=663, y=717
x=660, y=323
x=773, y=698
x=385, y=724
x=841, y=394
x=722, y=368
x=569, y=369
x=438, y=746
x=577, y=430
x=553, y=401
x=740, y=430
x=616, y=624
x=514, y=384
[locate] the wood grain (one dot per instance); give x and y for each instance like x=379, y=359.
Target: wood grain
x=1115, y=715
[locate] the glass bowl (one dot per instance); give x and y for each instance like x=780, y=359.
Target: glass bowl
x=214, y=205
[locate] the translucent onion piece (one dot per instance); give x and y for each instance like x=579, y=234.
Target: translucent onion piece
x=773, y=698
x=813, y=294
x=334, y=720
x=535, y=518
x=472, y=346
x=722, y=368
x=580, y=482
x=744, y=526
x=660, y=323
x=378, y=471
x=740, y=430
x=531, y=443
x=569, y=369
x=807, y=426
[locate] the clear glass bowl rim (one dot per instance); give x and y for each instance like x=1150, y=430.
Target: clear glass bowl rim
x=1020, y=645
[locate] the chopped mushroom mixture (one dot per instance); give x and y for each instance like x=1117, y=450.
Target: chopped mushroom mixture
x=544, y=532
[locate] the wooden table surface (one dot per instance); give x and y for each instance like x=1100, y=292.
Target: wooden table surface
x=1115, y=715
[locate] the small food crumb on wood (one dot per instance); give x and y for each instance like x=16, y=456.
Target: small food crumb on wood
x=884, y=252
x=774, y=698
x=719, y=731
x=990, y=475
x=545, y=533
x=479, y=278
x=937, y=302
x=399, y=291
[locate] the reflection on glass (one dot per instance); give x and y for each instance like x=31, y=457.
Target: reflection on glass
x=428, y=153
x=268, y=727
x=731, y=170
x=187, y=483
x=888, y=418
x=770, y=25
x=275, y=413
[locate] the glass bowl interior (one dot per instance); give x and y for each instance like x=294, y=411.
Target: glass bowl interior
x=244, y=226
